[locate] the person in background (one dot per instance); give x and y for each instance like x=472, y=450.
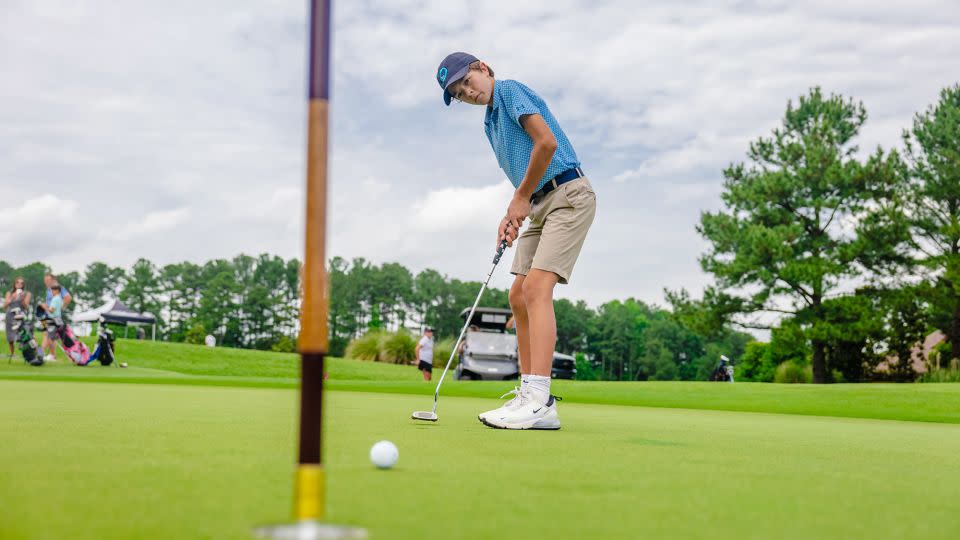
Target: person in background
x=424, y=353
x=17, y=297
x=54, y=309
x=50, y=280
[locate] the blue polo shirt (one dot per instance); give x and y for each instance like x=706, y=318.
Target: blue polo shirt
x=510, y=142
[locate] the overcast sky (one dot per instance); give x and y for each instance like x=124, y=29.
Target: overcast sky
x=174, y=130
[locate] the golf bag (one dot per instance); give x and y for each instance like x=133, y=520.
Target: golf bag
x=104, y=350
x=23, y=330
x=76, y=350
x=723, y=372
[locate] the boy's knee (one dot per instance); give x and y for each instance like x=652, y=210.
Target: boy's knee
x=535, y=291
x=516, y=298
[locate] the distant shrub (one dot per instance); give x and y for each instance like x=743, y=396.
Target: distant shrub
x=757, y=363
x=337, y=346
x=398, y=348
x=284, y=344
x=366, y=347
x=586, y=371
x=441, y=353
x=791, y=372
x=949, y=375
x=196, y=334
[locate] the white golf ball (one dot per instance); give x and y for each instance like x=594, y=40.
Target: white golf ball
x=384, y=454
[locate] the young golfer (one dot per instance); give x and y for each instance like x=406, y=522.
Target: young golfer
x=553, y=192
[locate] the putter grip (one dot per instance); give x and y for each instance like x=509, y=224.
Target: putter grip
x=496, y=257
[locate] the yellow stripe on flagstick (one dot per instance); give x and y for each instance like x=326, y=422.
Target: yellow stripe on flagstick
x=309, y=501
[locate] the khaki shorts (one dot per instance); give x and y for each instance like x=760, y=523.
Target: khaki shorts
x=559, y=222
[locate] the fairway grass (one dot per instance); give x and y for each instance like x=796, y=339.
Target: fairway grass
x=177, y=364
x=103, y=461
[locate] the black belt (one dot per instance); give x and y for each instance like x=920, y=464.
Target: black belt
x=557, y=181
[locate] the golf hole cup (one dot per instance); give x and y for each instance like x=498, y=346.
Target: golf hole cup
x=384, y=454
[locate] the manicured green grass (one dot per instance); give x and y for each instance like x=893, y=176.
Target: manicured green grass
x=166, y=363
x=157, y=359
x=103, y=461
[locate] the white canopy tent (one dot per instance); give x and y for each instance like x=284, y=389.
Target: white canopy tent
x=116, y=312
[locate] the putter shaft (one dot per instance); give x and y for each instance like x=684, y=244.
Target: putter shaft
x=466, y=324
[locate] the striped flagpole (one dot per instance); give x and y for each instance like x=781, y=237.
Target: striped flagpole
x=309, y=496
x=309, y=504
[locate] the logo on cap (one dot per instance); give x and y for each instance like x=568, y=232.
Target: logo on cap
x=442, y=75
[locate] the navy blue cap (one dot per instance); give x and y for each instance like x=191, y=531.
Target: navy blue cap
x=452, y=69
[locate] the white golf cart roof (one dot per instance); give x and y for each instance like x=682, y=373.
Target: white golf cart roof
x=487, y=318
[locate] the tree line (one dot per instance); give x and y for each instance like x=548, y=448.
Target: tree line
x=252, y=302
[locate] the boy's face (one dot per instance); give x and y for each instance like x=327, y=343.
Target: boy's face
x=475, y=88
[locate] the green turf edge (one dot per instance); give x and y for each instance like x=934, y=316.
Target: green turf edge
x=915, y=403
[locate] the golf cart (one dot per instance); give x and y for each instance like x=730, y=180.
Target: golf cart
x=564, y=366
x=489, y=351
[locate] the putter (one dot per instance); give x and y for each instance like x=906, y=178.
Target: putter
x=431, y=416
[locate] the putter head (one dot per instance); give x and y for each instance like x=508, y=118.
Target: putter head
x=425, y=415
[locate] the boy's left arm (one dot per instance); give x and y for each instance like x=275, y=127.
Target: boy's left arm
x=544, y=146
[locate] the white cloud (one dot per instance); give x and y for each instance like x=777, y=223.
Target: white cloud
x=456, y=208
x=147, y=226
x=42, y=224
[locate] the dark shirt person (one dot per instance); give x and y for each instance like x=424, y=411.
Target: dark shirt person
x=17, y=297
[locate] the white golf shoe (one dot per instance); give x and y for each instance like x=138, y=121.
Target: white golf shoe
x=50, y=358
x=530, y=414
x=499, y=411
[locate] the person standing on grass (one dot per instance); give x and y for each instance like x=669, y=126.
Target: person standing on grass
x=50, y=280
x=54, y=309
x=17, y=297
x=424, y=353
x=553, y=192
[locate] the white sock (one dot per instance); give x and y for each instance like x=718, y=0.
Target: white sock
x=538, y=387
x=524, y=383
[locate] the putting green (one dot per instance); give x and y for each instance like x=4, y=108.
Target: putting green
x=147, y=461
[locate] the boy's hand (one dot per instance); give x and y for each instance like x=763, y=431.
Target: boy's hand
x=505, y=232
x=518, y=211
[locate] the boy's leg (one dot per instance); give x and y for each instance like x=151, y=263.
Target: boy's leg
x=521, y=320
x=562, y=220
x=542, y=323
